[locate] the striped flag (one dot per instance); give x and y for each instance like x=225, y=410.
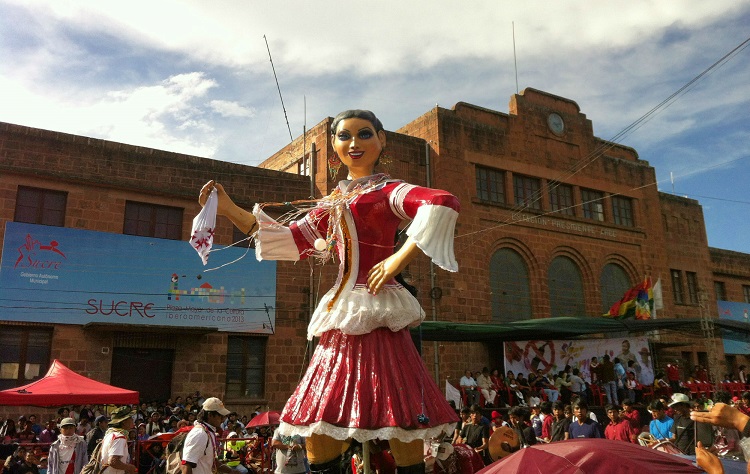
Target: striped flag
x=637, y=302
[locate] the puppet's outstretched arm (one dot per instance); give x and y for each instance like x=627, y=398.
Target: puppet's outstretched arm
x=243, y=219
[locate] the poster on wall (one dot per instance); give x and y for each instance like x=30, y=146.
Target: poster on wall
x=74, y=276
x=553, y=356
x=735, y=311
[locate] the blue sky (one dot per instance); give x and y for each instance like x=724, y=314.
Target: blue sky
x=194, y=76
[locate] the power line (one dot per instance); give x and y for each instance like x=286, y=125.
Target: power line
x=609, y=144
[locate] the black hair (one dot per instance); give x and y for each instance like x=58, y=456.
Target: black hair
x=203, y=415
x=357, y=113
x=546, y=407
x=627, y=402
x=611, y=406
x=580, y=404
x=475, y=409
x=722, y=396
x=558, y=405
x=656, y=405
x=520, y=412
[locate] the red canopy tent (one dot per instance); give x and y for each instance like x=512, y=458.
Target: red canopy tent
x=62, y=386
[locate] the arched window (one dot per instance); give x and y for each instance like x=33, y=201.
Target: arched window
x=509, y=284
x=614, y=282
x=565, y=288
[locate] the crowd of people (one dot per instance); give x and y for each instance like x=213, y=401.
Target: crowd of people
x=615, y=379
x=69, y=438
x=670, y=424
x=30, y=447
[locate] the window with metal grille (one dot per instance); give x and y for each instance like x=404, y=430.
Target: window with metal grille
x=526, y=190
x=561, y=199
x=565, y=288
x=614, y=282
x=246, y=367
x=592, y=203
x=40, y=206
x=746, y=293
x=692, y=287
x=509, y=283
x=622, y=210
x=490, y=185
x=24, y=355
x=721, y=290
x=152, y=220
x=677, y=291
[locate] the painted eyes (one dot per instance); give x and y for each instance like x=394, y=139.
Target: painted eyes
x=362, y=135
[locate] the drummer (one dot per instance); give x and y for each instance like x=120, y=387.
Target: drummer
x=661, y=425
x=476, y=434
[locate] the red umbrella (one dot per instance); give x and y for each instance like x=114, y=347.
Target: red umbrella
x=587, y=456
x=267, y=418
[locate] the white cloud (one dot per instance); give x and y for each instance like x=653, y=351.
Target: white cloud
x=227, y=108
x=144, y=116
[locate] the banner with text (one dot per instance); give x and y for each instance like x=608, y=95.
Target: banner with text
x=553, y=356
x=73, y=276
x=735, y=311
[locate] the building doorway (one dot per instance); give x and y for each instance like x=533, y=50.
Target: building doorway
x=149, y=371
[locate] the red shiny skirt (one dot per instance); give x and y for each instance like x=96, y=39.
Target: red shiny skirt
x=368, y=386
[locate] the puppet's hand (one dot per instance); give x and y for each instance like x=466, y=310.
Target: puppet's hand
x=383, y=272
x=225, y=202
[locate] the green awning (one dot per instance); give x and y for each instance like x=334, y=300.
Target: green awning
x=569, y=328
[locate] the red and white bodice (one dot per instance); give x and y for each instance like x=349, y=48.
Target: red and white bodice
x=362, y=217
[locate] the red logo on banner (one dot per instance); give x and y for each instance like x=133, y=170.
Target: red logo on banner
x=35, y=255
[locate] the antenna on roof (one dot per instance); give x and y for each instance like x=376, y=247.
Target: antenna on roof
x=279, y=89
x=515, y=62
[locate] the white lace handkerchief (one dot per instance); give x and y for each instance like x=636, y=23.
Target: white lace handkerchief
x=204, y=226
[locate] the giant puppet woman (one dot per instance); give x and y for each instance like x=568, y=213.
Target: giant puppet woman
x=366, y=379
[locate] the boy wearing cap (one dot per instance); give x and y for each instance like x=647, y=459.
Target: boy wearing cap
x=201, y=445
x=115, y=454
x=68, y=454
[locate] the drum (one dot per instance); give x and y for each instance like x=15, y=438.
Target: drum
x=503, y=442
x=666, y=446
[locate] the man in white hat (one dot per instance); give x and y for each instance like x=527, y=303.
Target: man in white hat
x=115, y=455
x=201, y=445
x=68, y=454
x=683, y=428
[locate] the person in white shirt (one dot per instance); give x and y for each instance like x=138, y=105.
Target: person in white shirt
x=201, y=446
x=469, y=385
x=115, y=455
x=486, y=387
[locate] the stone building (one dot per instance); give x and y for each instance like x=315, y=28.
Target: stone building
x=554, y=222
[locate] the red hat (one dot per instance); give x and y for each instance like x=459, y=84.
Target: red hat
x=735, y=399
x=496, y=414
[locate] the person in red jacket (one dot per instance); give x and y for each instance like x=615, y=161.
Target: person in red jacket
x=673, y=376
x=619, y=428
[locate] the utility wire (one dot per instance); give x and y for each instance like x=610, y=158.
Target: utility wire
x=608, y=144
x=291, y=138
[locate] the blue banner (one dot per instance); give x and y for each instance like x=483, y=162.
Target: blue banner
x=735, y=311
x=73, y=276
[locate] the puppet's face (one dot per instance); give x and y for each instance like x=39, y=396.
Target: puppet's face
x=358, y=145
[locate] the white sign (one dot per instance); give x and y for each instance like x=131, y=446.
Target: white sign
x=554, y=356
